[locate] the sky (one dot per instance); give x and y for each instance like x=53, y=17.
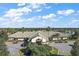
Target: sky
x=34, y=15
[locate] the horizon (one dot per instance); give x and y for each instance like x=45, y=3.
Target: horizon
x=39, y=15
x=40, y=27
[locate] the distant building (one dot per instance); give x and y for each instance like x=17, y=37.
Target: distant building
x=38, y=35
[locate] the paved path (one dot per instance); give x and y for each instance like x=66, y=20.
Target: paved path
x=13, y=48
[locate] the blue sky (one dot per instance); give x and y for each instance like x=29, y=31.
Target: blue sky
x=16, y=15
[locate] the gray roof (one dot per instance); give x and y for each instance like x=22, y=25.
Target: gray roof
x=22, y=34
x=40, y=33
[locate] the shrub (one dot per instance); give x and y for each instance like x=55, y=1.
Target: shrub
x=75, y=49
x=21, y=52
x=38, y=50
x=54, y=51
x=3, y=50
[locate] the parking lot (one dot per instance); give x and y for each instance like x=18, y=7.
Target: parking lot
x=64, y=48
x=13, y=48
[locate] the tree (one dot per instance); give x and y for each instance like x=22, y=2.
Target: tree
x=75, y=49
x=3, y=48
x=35, y=49
x=48, y=28
x=75, y=35
x=39, y=50
x=3, y=37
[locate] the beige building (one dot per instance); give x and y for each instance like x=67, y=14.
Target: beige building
x=39, y=35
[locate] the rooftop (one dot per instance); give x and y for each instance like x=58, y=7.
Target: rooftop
x=40, y=33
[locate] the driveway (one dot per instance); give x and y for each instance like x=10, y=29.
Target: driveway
x=14, y=48
x=64, y=48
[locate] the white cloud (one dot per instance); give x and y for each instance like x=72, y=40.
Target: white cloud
x=38, y=10
x=66, y=12
x=21, y=4
x=13, y=17
x=26, y=22
x=47, y=7
x=35, y=5
x=73, y=22
x=17, y=12
x=34, y=18
x=12, y=13
x=30, y=19
x=11, y=22
x=23, y=10
x=49, y=16
x=17, y=20
x=78, y=11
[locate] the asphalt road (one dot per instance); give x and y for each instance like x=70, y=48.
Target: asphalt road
x=14, y=48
